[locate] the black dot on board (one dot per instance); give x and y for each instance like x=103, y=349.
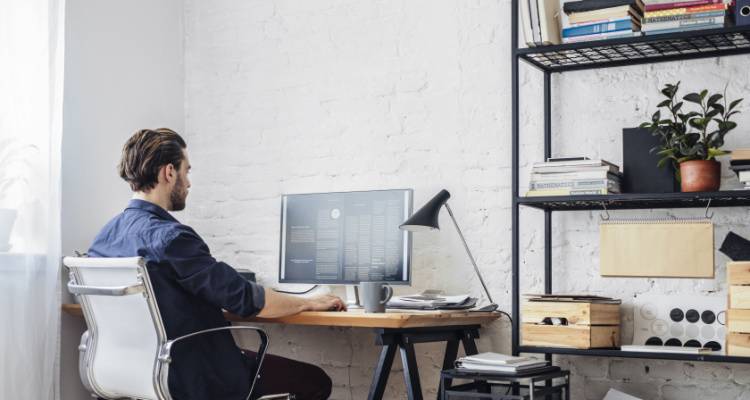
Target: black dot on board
x=692, y=316
x=692, y=343
x=654, y=341
x=715, y=346
x=673, y=342
x=676, y=315
x=708, y=317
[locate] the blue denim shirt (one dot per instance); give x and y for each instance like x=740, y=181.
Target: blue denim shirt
x=191, y=290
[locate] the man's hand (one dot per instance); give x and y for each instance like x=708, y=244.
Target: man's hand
x=326, y=302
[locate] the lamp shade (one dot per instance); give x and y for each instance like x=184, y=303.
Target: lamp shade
x=426, y=218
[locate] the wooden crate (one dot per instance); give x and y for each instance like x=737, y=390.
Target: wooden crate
x=586, y=326
x=739, y=297
x=738, y=273
x=534, y=312
x=738, y=344
x=738, y=320
x=575, y=336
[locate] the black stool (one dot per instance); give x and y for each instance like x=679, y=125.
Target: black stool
x=533, y=385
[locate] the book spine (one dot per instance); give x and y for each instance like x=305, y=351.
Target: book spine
x=597, y=21
x=686, y=10
x=700, y=22
x=683, y=17
x=576, y=184
x=680, y=4
x=684, y=29
x=592, y=29
x=601, y=36
x=744, y=176
x=566, y=192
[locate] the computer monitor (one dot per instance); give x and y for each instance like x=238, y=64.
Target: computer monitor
x=345, y=238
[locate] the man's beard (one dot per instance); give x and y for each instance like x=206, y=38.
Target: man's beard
x=178, y=196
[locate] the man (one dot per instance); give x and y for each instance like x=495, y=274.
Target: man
x=192, y=287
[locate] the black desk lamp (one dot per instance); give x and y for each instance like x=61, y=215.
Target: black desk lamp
x=426, y=219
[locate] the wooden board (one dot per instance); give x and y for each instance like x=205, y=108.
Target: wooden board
x=360, y=319
x=738, y=344
x=739, y=297
x=570, y=336
x=535, y=312
x=738, y=273
x=738, y=320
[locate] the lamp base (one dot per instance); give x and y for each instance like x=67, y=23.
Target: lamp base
x=487, y=308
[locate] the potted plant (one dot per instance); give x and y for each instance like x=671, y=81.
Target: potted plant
x=13, y=164
x=691, y=141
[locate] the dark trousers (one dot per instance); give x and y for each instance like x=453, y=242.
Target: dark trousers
x=283, y=375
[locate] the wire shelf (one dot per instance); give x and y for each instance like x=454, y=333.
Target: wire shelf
x=639, y=50
x=625, y=201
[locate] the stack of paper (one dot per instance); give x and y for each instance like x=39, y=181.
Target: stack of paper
x=432, y=302
x=496, y=362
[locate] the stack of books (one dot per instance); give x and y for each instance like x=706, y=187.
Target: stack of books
x=501, y=363
x=666, y=16
x=601, y=19
x=574, y=176
x=740, y=164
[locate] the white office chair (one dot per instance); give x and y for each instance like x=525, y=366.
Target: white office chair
x=125, y=352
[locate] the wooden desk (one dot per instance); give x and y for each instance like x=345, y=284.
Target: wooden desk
x=394, y=331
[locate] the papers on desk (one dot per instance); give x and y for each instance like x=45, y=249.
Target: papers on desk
x=422, y=302
x=496, y=362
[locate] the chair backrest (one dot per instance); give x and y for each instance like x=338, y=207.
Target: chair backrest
x=125, y=327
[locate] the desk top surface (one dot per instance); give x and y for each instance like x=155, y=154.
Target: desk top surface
x=359, y=319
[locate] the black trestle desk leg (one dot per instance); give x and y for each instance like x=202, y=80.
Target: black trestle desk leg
x=411, y=373
x=451, y=352
x=470, y=348
x=380, y=379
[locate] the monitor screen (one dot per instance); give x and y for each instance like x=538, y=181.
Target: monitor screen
x=345, y=238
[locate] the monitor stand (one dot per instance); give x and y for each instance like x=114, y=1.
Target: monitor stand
x=352, y=297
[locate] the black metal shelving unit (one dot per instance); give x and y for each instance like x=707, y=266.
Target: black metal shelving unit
x=595, y=55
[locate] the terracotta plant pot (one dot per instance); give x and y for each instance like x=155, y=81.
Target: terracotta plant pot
x=700, y=175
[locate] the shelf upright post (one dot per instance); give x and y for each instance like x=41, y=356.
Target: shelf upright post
x=547, y=212
x=515, y=327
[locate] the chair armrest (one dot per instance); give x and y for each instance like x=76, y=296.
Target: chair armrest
x=105, y=290
x=165, y=352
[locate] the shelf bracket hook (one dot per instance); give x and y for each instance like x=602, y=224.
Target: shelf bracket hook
x=709, y=216
x=602, y=215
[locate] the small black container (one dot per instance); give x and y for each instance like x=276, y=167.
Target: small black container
x=640, y=173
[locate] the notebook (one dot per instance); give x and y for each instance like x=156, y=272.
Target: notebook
x=681, y=248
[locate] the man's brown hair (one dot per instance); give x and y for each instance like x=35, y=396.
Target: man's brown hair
x=146, y=152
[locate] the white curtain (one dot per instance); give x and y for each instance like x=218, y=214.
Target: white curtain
x=31, y=79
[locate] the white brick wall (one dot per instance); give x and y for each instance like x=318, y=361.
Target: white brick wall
x=302, y=96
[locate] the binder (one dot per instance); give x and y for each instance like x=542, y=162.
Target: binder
x=680, y=248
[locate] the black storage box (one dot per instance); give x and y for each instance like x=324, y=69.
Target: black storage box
x=640, y=173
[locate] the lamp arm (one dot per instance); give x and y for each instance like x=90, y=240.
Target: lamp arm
x=471, y=257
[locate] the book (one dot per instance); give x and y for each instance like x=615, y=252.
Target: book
x=495, y=359
x=685, y=10
x=574, y=162
x=519, y=366
x=667, y=349
x=633, y=19
x=740, y=154
x=590, y=16
x=744, y=176
x=577, y=184
x=678, y=4
x=589, y=173
x=571, y=298
x=680, y=24
x=590, y=5
x=566, y=192
x=601, y=36
x=684, y=17
x=625, y=24
x=525, y=11
x=685, y=29
x=535, y=21
x=550, y=28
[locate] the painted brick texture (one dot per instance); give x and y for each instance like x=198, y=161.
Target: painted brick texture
x=308, y=96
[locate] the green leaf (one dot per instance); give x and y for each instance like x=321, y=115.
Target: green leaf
x=704, y=93
x=645, y=125
x=677, y=107
x=711, y=114
x=719, y=107
x=693, y=98
x=655, y=118
x=714, y=98
x=734, y=104
x=664, y=103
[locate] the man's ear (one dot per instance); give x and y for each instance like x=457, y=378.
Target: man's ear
x=170, y=173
